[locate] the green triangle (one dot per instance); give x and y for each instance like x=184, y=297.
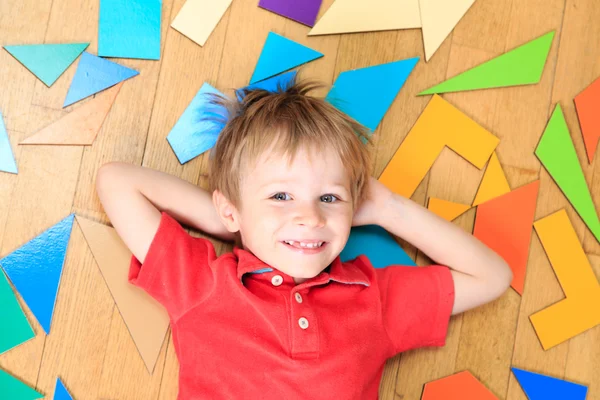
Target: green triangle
x=521, y=66
x=557, y=153
x=47, y=61
x=13, y=389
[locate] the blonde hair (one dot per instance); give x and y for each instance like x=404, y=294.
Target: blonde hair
x=286, y=121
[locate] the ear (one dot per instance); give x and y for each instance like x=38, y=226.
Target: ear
x=226, y=211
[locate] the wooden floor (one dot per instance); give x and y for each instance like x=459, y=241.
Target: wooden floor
x=90, y=347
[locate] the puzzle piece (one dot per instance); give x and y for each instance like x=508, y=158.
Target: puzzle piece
x=460, y=386
x=7, y=160
x=448, y=210
x=36, y=267
x=60, y=391
x=305, y=11
x=366, y=94
x=494, y=182
x=14, y=327
x=587, y=104
x=13, y=389
x=521, y=66
x=440, y=125
x=377, y=244
x=198, y=18
x=543, y=387
x=579, y=311
x=47, y=61
x=273, y=84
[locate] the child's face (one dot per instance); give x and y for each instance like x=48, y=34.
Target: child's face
x=308, y=201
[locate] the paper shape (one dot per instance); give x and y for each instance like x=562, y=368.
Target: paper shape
x=494, y=182
x=557, y=153
x=521, y=66
x=60, y=391
x=198, y=18
x=460, y=386
x=13, y=389
x=81, y=126
x=440, y=125
x=277, y=83
x=579, y=311
x=377, y=244
x=438, y=19
x=7, y=159
x=36, y=267
x=366, y=94
x=543, y=387
x=305, y=11
x=47, y=61
x=345, y=16
x=199, y=126
x=129, y=29
x=587, y=104
x=145, y=318
x=93, y=75
x=280, y=54
x=14, y=327
x=505, y=223
x=448, y=210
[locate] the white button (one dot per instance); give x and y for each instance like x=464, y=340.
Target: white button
x=303, y=322
x=298, y=297
x=277, y=280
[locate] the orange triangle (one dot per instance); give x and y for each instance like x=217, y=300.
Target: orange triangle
x=461, y=386
x=447, y=209
x=494, y=182
x=81, y=126
x=505, y=223
x=587, y=104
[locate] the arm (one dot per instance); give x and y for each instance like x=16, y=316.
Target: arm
x=133, y=198
x=480, y=275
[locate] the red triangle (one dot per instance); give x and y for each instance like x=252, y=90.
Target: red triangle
x=587, y=104
x=461, y=386
x=505, y=223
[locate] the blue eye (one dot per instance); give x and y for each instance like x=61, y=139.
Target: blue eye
x=330, y=196
x=278, y=196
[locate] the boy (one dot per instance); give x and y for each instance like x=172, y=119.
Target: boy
x=281, y=317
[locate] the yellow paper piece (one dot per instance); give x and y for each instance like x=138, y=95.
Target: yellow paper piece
x=448, y=210
x=440, y=124
x=439, y=17
x=493, y=184
x=580, y=310
x=345, y=16
x=198, y=18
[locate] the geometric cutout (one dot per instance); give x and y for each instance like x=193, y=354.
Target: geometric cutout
x=557, y=153
x=345, y=16
x=377, y=244
x=35, y=269
x=580, y=310
x=493, y=184
x=460, y=386
x=365, y=94
x=198, y=18
x=447, y=209
x=504, y=224
x=79, y=127
x=587, y=104
x=305, y=11
x=146, y=320
x=129, y=29
x=199, y=126
x=13, y=389
x=47, y=61
x=275, y=84
x=440, y=125
x=7, y=159
x=543, y=387
x=280, y=54
x=521, y=66
x=439, y=17
x=93, y=75
x=60, y=391
x=14, y=327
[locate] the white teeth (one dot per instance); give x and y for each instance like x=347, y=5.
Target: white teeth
x=302, y=244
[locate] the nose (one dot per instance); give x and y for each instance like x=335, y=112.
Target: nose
x=310, y=215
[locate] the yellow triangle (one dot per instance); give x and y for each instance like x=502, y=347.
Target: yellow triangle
x=494, y=182
x=447, y=209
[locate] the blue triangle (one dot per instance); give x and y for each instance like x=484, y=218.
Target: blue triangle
x=60, y=391
x=280, y=54
x=93, y=75
x=7, y=160
x=366, y=94
x=377, y=244
x=36, y=267
x=274, y=84
x=542, y=387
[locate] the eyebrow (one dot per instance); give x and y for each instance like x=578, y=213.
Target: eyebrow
x=281, y=182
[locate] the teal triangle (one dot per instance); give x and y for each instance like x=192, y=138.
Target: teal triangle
x=47, y=61
x=7, y=159
x=13, y=389
x=60, y=391
x=366, y=94
x=36, y=267
x=542, y=387
x=280, y=54
x=377, y=244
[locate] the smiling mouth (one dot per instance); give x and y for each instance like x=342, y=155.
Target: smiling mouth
x=308, y=248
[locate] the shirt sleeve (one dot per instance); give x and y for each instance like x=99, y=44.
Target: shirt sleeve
x=176, y=271
x=416, y=305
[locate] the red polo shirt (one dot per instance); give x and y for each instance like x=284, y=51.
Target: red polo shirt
x=243, y=330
